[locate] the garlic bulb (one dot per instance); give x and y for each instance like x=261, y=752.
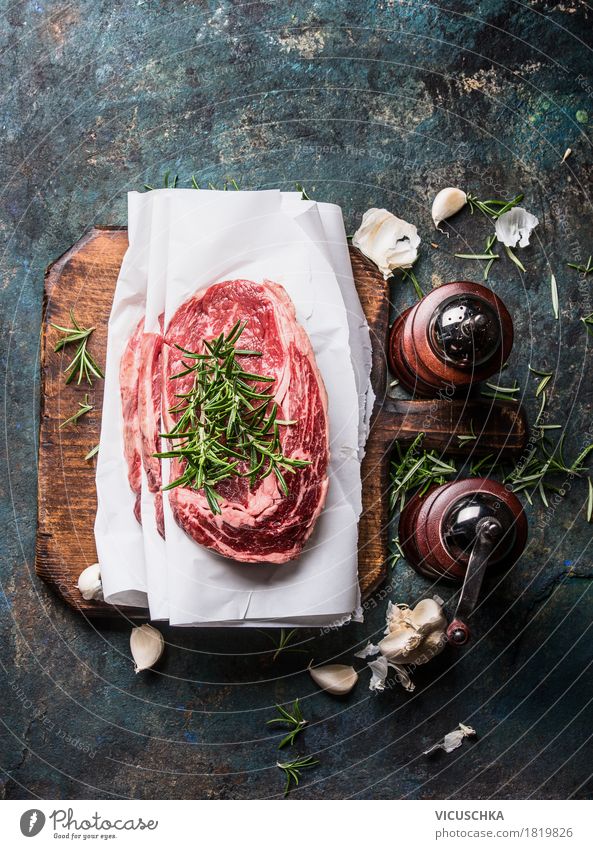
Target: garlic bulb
x=388, y=241
x=147, y=645
x=335, y=678
x=447, y=203
x=413, y=636
x=89, y=583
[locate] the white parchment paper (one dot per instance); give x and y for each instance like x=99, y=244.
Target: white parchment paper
x=216, y=236
x=118, y=536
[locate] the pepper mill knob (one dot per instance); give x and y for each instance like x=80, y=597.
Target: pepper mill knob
x=456, y=335
x=457, y=532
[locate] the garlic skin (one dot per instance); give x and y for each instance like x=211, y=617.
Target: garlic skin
x=335, y=678
x=147, y=645
x=514, y=226
x=388, y=241
x=447, y=202
x=89, y=583
x=453, y=739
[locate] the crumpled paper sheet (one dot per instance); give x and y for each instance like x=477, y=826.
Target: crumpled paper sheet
x=207, y=237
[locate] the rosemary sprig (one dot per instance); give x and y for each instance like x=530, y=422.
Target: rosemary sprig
x=295, y=721
x=226, y=427
x=83, y=366
x=84, y=408
x=545, y=376
x=284, y=643
x=408, y=274
x=300, y=188
x=584, y=269
x=588, y=322
x=488, y=255
x=492, y=209
x=536, y=473
x=416, y=468
x=395, y=554
x=464, y=438
x=292, y=770
x=92, y=453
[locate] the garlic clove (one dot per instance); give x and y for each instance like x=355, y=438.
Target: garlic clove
x=335, y=678
x=397, y=646
x=447, y=202
x=428, y=616
x=89, y=583
x=147, y=645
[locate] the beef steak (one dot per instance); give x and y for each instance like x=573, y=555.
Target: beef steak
x=259, y=523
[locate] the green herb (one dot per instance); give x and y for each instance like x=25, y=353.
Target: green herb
x=504, y=393
x=83, y=366
x=408, y=274
x=92, y=453
x=581, y=116
x=84, y=408
x=416, y=468
x=554, y=290
x=469, y=437
x=395, y=554
x=300, y=188
x=584, y=269
x=292, y=770
x=546, y=376
x=589, y=499
x=514, y=258
x=488, y=255
x=226, y=427
x=294, y=721
x=284, y=643
x=588, y=322
x=537, y=473
x=492, y=208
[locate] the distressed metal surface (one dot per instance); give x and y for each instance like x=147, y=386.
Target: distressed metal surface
x=374, y=104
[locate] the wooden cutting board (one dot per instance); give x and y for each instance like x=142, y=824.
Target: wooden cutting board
x=84, y=279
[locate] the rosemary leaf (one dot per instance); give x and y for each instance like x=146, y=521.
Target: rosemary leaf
x=92, y=452
x=84, y=408
x=294, y=721
x=589, y=499
x=512, y=256
x=554, y=289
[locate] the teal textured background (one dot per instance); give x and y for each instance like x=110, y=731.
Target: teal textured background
x=367, y=104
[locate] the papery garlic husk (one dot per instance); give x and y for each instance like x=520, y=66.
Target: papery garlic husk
x=89, y=583
x=389, y=241
x=431, y=645
x=400, y=643
x=370, y=650
x=447, y=203
x=147, y=645
x=453, y=739
x=395, y=616
x=335, y=678
x=428, y=616
x=514, y=226
x=379, y=669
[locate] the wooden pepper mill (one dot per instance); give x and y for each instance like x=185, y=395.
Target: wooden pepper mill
x=455, y=336
x=456, y=532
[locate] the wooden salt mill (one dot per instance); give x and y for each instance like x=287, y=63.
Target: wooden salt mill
x=458, y=531
x=457, y=335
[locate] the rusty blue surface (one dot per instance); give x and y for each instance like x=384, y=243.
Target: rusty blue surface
x=374, y=104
